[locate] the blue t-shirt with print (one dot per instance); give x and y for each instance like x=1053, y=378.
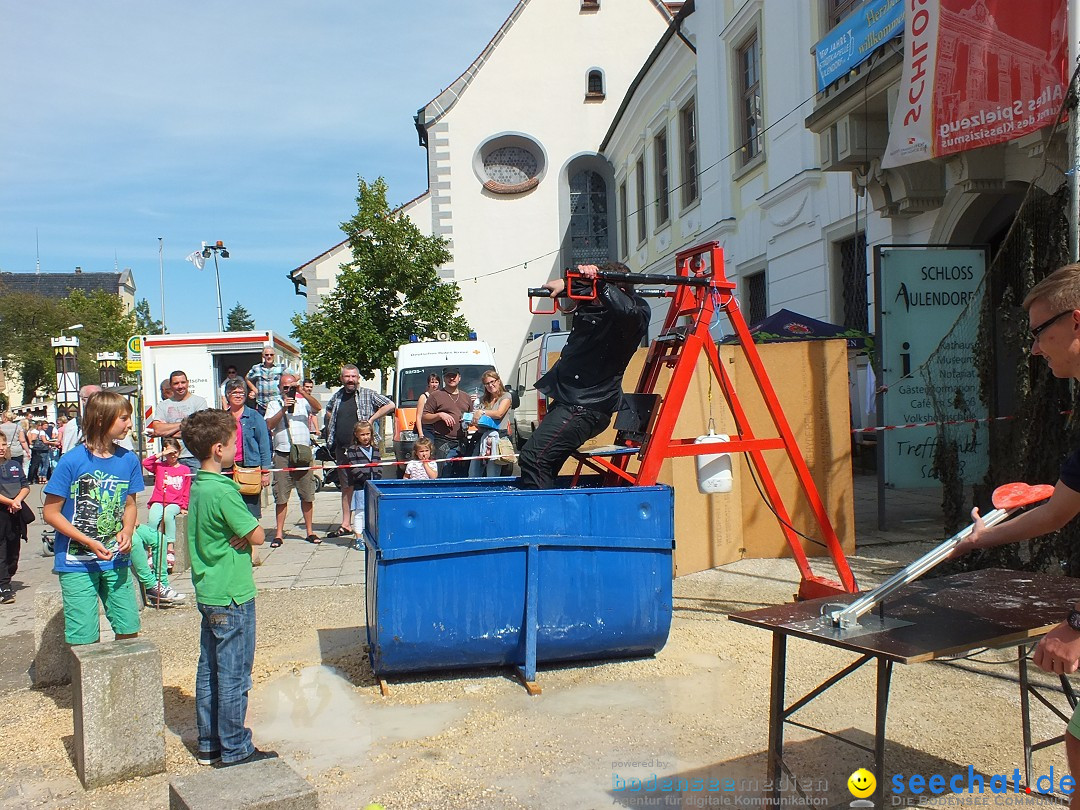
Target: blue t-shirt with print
x=12, y=480
x=95, y=491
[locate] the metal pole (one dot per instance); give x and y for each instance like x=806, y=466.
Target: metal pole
x=161, y=272
x=1074, y=138
x=217, y=275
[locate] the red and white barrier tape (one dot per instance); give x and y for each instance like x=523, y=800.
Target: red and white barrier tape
x=945, y=422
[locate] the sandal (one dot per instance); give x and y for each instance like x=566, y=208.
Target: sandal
x=276, y=542
x=313, y=539
x=340, y=531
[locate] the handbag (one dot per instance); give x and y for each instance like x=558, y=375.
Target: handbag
x=249, y=479
x=300, y=455
x=506, y=450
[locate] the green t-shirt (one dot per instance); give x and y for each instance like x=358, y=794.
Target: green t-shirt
x=216, y=513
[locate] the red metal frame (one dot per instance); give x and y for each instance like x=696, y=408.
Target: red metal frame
x=678, y=348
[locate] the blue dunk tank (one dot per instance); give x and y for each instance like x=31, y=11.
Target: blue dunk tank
x=467, y=573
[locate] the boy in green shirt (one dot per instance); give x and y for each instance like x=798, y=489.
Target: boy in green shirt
x=221, y=532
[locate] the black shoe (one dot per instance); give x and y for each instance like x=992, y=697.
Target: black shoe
x=255, y=756
x=208, y=757
x=6, y=596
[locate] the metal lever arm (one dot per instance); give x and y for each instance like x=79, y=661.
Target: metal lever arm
x=849, y=616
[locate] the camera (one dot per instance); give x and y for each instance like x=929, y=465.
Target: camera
x=290, y=390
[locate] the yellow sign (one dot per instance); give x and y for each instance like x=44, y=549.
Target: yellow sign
x=134, y=353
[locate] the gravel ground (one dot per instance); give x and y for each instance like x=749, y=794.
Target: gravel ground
x=476, y=740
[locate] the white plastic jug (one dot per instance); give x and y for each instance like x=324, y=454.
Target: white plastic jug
x=713, y=469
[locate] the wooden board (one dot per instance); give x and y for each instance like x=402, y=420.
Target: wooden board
x=947, y=616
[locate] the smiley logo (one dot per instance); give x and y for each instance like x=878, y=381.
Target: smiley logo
x=861, y=783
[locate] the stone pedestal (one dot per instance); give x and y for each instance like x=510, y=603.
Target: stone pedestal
x=180, y=547
x=52, y=655
x=269, y=784
x=119, y=711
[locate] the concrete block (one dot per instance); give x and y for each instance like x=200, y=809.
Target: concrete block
x=119, y=711
x=180, y=548
x=52, y=654
x=269, y=784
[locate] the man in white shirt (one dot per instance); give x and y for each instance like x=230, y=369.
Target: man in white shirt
x=287, y=418
x=169, y=413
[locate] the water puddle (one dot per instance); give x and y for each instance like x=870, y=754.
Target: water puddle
x=319, y=716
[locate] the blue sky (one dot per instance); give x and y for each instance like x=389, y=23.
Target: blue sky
x=125, y=121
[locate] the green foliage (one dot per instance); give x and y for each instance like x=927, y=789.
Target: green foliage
x=239, y=319
x=28, y=322
x=390, y=290
x=144, y=321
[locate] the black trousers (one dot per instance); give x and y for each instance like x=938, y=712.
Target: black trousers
x=11, y=527
x=564, y=429
x=450, y=448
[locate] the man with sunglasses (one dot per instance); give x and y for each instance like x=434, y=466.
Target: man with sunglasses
x=1053, y=308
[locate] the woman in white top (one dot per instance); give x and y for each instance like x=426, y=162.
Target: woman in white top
x=495, y=405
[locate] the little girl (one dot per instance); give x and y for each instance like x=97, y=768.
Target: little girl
x=361, y=451
x=172, y=490
x=90, y=501
x=422, y=467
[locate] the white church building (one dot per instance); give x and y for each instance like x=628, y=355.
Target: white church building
x=516, y=183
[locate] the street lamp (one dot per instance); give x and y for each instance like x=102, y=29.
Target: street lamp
x=71, y=328
x=215, y=249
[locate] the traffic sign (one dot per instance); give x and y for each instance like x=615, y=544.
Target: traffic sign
x=134, y=353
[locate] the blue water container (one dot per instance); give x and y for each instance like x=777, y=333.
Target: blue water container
x=476, y=572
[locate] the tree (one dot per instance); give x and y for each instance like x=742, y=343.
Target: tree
x=144, y=321
x=239, y=319
x=28, y=322
x=390, y=290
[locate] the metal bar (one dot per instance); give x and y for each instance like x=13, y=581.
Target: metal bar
x=1025, y=714
x=884, y=680
x=839, y=676
x=849, y=616
x=839, y=737
x=532, y=586
x=776, y=713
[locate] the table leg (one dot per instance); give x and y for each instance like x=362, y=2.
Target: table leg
x=1025, y=713
x=776, y=712
x=884, y=679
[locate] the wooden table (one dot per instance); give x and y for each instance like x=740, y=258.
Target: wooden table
x=926, y=620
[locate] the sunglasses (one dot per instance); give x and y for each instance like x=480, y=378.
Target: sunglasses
x=1042, y=327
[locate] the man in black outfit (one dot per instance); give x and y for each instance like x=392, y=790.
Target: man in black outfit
x=586, y=382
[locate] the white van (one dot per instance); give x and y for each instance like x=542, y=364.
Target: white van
x=415, y=361
x=537, y=357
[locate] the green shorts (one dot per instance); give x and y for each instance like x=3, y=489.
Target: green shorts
x=81, y=592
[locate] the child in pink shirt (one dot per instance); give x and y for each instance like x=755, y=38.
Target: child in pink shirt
x=172, y=488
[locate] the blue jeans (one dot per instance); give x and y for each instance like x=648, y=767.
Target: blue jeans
x=223, y=679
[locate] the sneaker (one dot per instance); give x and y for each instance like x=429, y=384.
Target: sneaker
x=255, y=756
x=208, y=757
x=170, y=560
x=160, y=593
x=7, y=597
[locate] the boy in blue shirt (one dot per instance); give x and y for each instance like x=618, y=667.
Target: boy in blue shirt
x=221, y=533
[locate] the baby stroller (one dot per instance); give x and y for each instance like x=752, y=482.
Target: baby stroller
x=324, y=478
x=48, y=535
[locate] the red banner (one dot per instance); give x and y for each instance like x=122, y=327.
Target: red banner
x=976, y=72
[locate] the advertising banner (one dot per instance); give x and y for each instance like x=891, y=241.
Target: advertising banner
x=976, y=73
x=856, y=37
x=923, y=291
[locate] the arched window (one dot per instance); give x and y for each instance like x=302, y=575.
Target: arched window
x=588, y=219
x=595, y=85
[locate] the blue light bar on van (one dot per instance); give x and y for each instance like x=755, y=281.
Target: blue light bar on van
x=414, y=338
x=472, y=335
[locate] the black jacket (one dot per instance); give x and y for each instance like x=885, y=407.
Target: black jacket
x=604, y=336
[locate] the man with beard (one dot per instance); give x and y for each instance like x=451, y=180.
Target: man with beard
x=351, y=404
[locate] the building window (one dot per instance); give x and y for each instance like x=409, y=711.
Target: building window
x=639, y=176
x=750, y=118
x=509, y=164
x=853, y=282
x=688, y=127
x=663, y=189
x=839, y=9
x=594, y=86
x=588, y=219
x=757, y=304
x=624, y=217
